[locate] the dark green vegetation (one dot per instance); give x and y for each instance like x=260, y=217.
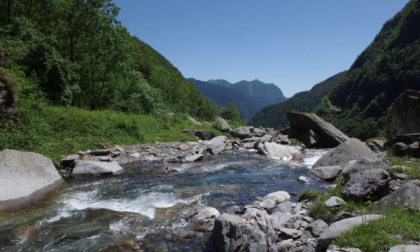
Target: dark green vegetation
x=274, y=116
x=78, y=54
x=400, y=225
x=380, y=74
x=248, y=96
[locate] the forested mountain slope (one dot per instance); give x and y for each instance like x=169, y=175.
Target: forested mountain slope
x=274, y=115
x=77, y=53
x=388, y=66
x=249, y=96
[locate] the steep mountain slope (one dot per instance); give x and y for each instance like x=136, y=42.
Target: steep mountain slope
x=380, y=74
x=249, y=96
x=274, y=115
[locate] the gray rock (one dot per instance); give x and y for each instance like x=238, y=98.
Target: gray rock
x=303, y=179
x=194, y=158
x=271, y=132
x=194, y=121
x=282, y=152
x=224, y=125
x=279, y=196
x=217, y=144
x=334, y=201
x=407, y=195
x=205, y=134
x=300, y=123
x=207, y=213
x=363, y=164
x=259, y=132
x=335, y=248
x=284, y=207
x=403, y=115
x=69, y=161
x=339, y=227
x=95, y=168
x=279, y=220
x=342, y=215
x=231, y=233
x=328, y=173
x=366, y=185
x=376, y=145
x=286, y=246
x=282, y=139
x=352, y=149
x=317, y=227
x=100, y=152
x=268, y=204
x=119, y=148
x=405, y=248
x=292, y=233
x=243, y=132
x=105, y=159
x=25, y=176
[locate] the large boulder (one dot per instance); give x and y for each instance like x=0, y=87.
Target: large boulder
x=366, y=185
x=352, y=149
x=25, y=176
x=233, y=233
x=217, y=144
x=339, y=227
x=327, y=173
x=278, y=151
x=243, y=132
x=302, y=123
x=405, y=248
x=403, y=115
x=364, y=164
x=96, y=168
x=407, y=196
x=224, y=125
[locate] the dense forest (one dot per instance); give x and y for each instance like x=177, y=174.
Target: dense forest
x=380, y=74
x=248, y=96
x=274, y=116
x=77, y=53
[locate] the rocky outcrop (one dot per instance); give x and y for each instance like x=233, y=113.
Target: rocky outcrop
x=313, y=131
x=364, y=164
x=339, y=227
x=25, y=176
x=407, y=196
x=95, y=168
x=403, y=115
x=366, y=185
x=223, y=124
x=282, y=152
x=352, y=149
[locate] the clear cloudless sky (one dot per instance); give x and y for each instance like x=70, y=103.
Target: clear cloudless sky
x=292, y=43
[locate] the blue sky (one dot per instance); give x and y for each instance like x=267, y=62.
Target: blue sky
x=292, y=43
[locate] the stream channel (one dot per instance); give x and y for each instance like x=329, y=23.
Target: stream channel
x=147, y=210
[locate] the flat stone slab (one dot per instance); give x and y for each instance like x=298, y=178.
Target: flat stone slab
x=25, y=176
x=95, y=168
x=339, y=227
x=405, y=248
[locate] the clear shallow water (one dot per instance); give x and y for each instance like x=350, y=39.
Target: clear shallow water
x=145, y=208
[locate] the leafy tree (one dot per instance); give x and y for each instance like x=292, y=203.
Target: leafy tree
x=230, y=112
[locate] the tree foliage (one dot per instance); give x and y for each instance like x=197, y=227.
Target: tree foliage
x=390, y=65
x=78, y=54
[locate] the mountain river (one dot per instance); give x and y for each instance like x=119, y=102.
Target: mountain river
x=145, y=209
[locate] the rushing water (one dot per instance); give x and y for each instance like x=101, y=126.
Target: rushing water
x=147, y=209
